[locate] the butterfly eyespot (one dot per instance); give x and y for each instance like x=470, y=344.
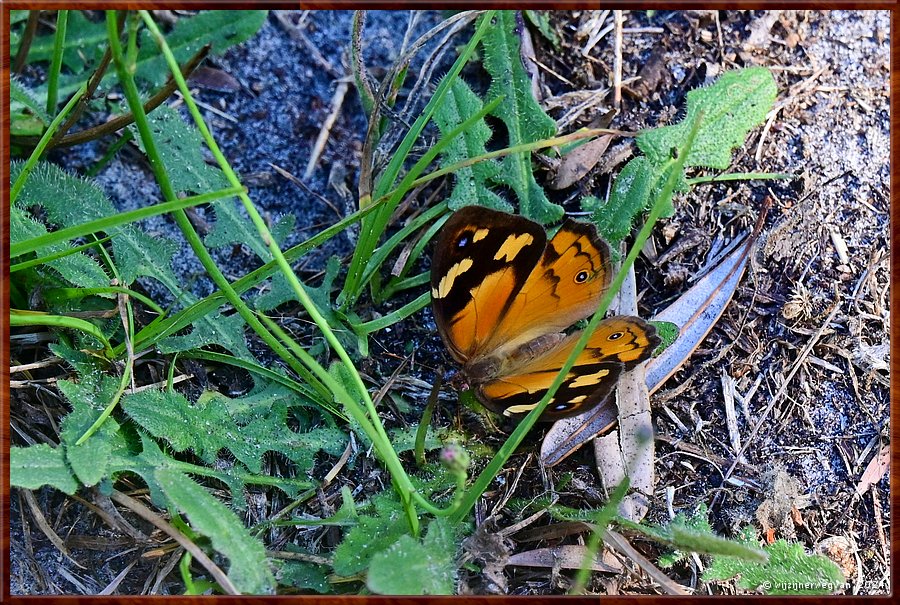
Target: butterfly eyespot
x=616, y=335
x=559, y=407
x=581, y=277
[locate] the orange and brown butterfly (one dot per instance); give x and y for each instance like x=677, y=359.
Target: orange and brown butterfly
x=503, y=296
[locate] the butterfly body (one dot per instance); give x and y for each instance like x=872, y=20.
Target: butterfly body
x=503, y=297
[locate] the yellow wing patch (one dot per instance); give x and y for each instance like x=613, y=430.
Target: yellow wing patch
x=446, y=284
x=512, y=245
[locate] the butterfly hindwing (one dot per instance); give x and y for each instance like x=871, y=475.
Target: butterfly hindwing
x=585, y=386
x=618, y=344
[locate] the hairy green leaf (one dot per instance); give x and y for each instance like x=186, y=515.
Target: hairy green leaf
x=371, y=536
x=139, y=254
x=180, y=147
x=26, y=110
x=38, y=465
x=90, y=460
x=226, y=331
x=410, y=567
x=70, y=200
x=248, y=569
x=525, y=121
x=207, y=427
x=304, y=575
x=88, y=367
x=629, y=197
x=788, y=571
x=738, y=101
x=694, y=534
x=471, y=184
x=667, y=332
x=57, y=191
x=281, y=292
x=724, y=113
x=77, y=268
x=151, y=458
x=232, y=226
x=404, y=439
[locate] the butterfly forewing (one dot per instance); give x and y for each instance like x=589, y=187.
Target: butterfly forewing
x=564, y=287
x=478, y=268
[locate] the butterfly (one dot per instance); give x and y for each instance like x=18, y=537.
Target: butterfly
x=503, y=296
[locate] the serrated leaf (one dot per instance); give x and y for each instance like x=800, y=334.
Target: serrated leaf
x=339, y=372
x=305, y=576
x=248, y=568
x=91, y=459
x=736, y=103
x=258, y=401
x=283, y=227
x=78, y=269
x=88, y=367
x=168, y=415
x=23, y=98
x=138, y=254
x=221, y=29
x=471, y=183
x=56, y=191
x=433, y=478
x=70, y=200
x=278, y=293
x=226, y=331
x=322, y=294
x=232, y=226
x=281, y=292
x=525, y=121
x=635, y=189
x=370, y=536
x=151, y=459
x=38, y=465
x=207, y=427
x=788, y=571
x=410, y=567
x=630, y=195
x=180, y=147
